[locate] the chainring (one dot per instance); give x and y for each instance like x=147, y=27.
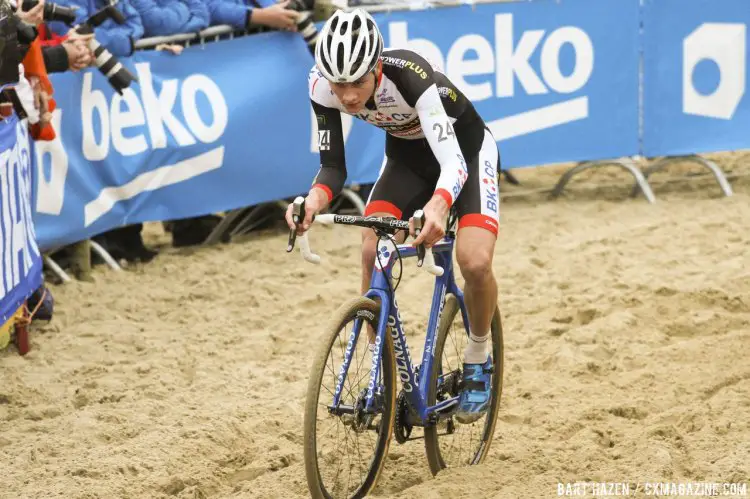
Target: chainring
x=402, y=428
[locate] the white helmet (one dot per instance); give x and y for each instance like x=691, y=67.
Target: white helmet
x=349, y=46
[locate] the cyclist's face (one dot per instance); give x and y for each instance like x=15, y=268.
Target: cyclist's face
x=355, y=95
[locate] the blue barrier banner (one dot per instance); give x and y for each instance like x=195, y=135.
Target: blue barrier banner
x=694, y=76
x=556, y=81
x=216, y=128
x=229, y=124
x=20, y=259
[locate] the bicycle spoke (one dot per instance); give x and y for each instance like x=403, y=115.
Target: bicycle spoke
x=344, y=456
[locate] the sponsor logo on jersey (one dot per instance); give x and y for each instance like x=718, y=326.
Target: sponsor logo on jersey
x=385, y=99
x=448, y=92
x=490, y=187
x=404, y=64
x=379, y=118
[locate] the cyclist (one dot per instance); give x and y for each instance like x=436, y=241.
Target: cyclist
x=439, y=152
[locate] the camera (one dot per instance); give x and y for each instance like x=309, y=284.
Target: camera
x=305, y=23
x=53, y=12
x=306, y=27
x=10, y=52
x=118, y=75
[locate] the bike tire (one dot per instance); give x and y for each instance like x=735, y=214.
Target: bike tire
x=346, y=313
x=431, y=435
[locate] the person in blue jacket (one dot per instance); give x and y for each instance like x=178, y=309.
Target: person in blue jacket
x=171, y=17
x=119, y=39
x=242, y=14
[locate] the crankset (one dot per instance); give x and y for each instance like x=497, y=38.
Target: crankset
x=403, y=426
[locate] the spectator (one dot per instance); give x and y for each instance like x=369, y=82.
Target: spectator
x=241, y=15
x=60, y=53
x=119, y=39
x=171, y=17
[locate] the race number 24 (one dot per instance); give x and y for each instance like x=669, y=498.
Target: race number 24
x=324, y=140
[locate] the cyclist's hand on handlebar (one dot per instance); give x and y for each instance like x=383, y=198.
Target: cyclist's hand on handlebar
x=434, y=225
x=313, y=204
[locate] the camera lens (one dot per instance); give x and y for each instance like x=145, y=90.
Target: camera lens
x=307, y=29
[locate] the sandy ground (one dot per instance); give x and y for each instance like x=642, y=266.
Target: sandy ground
x=627, y=337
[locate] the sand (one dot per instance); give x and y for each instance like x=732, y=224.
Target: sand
x=627, y=334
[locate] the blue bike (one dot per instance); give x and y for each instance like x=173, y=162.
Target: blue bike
x=348, y=410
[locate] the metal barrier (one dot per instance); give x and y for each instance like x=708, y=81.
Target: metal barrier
x=213, y=32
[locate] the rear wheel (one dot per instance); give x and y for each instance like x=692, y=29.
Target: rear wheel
x=449, y=443
x=344, y=453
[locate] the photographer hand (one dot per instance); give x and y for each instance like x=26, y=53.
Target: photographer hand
x=276, y=16
x=75, y=36
x=33, y=16
x=41, y=102
x=79, y=55
x=174, y=48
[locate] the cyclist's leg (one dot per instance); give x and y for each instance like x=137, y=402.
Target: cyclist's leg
x=397, y=193
x=478, y=206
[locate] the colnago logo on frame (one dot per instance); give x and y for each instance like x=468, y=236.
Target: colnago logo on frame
x=510, y=61
x=132, y=124
x=713, y=70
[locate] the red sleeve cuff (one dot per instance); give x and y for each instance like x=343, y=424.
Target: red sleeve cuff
x=445, y=195
x=326, y=189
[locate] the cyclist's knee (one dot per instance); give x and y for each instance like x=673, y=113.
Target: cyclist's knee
x=475, y=260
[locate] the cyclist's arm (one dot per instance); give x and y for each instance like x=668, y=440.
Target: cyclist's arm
x=414, y=77
x=438, y=130
x=332, y=174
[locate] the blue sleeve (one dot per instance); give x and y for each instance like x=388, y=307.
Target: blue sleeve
x=119, y=38
x=228, y=12
x=199, y=16
x=161, y=20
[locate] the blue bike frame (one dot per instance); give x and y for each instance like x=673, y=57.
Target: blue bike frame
x=416, y=387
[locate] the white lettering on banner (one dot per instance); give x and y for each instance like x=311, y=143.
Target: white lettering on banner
x=50, y=192
x=551, y=59
x=152, y=180
x=18, y=243
x=725, y=44
x=539, y=119
x=156, y=111
x=148, y=115
x=94, y=101
x=206, y=133
x=159, y=110
x=132, y=116
x=510, y=62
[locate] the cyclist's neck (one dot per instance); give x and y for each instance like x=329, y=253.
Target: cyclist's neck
x=370, y=104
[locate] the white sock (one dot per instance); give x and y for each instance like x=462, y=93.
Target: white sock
x=477, y=351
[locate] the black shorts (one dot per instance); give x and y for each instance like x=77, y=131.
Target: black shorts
x=410, y=173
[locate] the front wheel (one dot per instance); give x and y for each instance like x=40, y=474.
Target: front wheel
x=449, y=443
x=345, y=447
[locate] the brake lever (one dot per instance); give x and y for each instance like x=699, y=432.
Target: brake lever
x=298, y=216
x=418, y=225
